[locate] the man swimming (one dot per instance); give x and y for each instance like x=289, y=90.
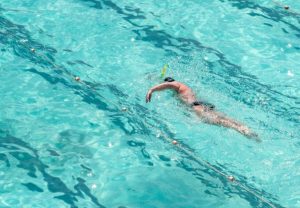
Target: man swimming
x=204, y=110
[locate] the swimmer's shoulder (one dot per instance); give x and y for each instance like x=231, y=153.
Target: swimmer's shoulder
x=177, y=85
x=181, y=87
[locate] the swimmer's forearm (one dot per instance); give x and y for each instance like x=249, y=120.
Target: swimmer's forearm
x=162, y=87
x=166, y=85
x=157, y=88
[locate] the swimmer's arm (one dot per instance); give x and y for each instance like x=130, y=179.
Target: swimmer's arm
x=163, y=86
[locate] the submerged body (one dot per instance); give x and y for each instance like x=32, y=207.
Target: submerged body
x=205, y=111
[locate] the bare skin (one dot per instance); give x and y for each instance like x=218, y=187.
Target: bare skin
x=207, y=115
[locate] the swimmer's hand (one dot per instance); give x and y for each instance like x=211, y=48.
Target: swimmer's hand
x=148, y=96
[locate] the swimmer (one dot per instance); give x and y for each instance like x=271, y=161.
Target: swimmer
x=205, y=111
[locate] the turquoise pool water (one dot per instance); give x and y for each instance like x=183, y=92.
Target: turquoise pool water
x=95, y=143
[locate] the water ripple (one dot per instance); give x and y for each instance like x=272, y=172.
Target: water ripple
x=246, y=87
x=30, y=161
x=12, y=37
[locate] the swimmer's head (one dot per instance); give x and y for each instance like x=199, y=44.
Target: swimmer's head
x=169, y=79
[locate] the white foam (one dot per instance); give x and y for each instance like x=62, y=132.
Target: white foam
x=290, y=73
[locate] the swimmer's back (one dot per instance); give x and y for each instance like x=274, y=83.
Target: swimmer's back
x=185, y=92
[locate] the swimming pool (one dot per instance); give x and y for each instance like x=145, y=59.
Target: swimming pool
x=95, y=143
